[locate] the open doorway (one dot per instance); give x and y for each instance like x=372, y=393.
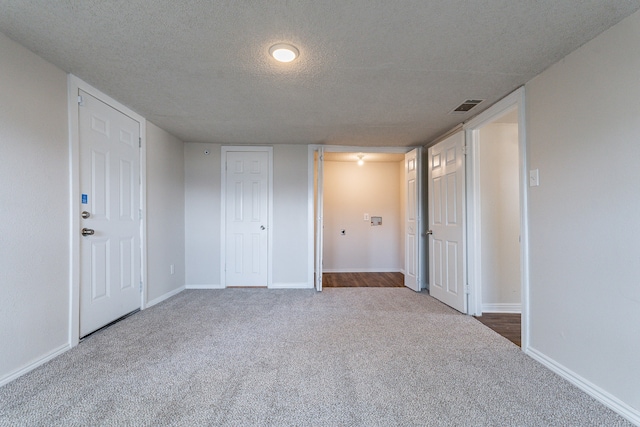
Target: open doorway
x=499, y=215
x=359, y=203
x=497, y=218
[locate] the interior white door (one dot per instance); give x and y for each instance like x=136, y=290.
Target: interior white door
x=110, y=254
x=247, y=175
x=413, y=233
x=319, y=217
x=446, y=188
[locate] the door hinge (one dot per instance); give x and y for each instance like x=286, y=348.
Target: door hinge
x=467, y=289
x=140, y=214
x=80, y=100
x=141, y=286
x=140, y=142
x=464, y=150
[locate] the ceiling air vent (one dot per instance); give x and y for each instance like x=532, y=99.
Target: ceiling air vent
x=466, y=106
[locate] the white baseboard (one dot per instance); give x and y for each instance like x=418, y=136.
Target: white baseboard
x=33, y=365
x=206, y=286
x=164, y=297
x=361, y=270
x=304, y=285
x=588, y=387
x=502, y=308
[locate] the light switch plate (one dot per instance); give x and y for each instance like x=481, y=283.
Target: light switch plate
x=366, y=217
x=534, y=178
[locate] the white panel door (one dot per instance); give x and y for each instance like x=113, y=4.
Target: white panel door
x=110, y=254
x=447, y=263
x=319, y=217
x=247, y=175
x=413, y=234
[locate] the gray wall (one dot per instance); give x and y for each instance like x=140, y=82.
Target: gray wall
x=202, y=215
x=34, y=209
x=583, y=133
x=165, y=213
x=290, y=216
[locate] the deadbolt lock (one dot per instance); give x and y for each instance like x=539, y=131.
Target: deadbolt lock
x=87, y=232
x=85, y=214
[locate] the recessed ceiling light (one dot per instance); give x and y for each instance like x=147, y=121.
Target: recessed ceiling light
x=284, y=52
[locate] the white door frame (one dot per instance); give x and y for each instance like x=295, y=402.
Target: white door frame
x=223, y=206
x=74, y=84
x=319, y=218
x=514, y=100
x=311, y=196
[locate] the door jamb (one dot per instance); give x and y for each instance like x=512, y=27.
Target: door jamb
x=74, y=84
x=318, y=170
x=514, y=100
x=223, y=206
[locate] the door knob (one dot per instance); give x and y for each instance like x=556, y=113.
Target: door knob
x=87, y=232
x=262, y=227
x=429, y=232
x=85, y=214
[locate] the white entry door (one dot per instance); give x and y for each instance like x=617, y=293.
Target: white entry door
x=110, y=254
x=413, y=269
x=447, y=263
x=246, y=218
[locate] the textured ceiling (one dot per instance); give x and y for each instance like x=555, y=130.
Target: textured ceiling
x=371, y=72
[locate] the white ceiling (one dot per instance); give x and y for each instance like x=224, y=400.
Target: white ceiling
x=371, y=72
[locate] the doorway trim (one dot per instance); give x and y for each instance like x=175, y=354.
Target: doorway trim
x=223, y=208
x=512, y=101
x=74, y=84
x=311, y=196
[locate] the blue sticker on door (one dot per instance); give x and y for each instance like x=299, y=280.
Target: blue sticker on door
x=85, y=199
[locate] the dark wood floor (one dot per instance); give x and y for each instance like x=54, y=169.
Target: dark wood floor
x=363, y=280
x=506, y=324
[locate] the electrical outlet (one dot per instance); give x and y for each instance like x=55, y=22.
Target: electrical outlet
x=172, y=269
